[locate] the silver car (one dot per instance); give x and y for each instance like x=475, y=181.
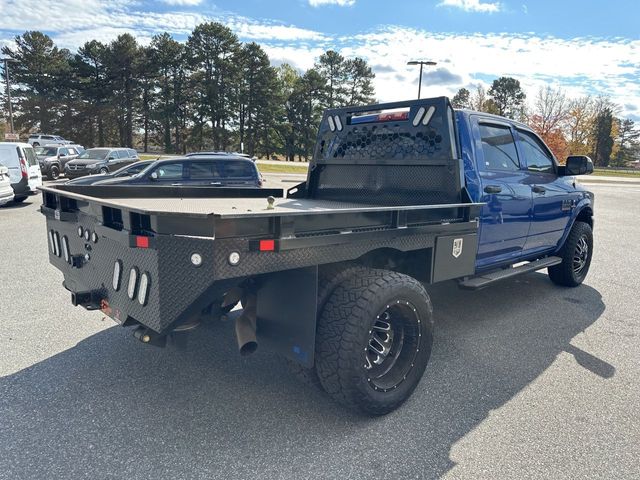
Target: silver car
x=39, y=139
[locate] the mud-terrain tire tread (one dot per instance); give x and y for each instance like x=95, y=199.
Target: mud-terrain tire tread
x=563, y=274
x=344, y=320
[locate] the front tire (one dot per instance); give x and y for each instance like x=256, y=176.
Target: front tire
x=104, y=171
x=374, y=341
x=54, y=173
x=576, y=256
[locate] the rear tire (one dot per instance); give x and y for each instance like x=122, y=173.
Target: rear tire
x=374, y=340
x=104, y=171
x=576, y=257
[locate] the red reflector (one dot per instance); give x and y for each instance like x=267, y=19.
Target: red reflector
x=267, y=245
x=142, y=242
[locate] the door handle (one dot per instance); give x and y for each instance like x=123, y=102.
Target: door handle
x=538, y=189
x=492, y=189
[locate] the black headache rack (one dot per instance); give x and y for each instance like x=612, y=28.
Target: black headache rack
x=160, y=255
x=402, y=153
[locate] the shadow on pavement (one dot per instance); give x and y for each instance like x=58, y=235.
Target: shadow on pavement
x=112, y=407
x=16, y=206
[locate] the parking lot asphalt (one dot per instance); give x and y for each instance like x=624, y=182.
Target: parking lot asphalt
x=526, y=380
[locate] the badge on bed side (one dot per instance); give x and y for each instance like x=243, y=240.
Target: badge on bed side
x=457, y=247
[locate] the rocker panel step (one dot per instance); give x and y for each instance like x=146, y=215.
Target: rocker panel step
x=485, y=279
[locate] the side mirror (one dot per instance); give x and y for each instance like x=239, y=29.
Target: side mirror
x=578, y=165
x=111, y=157
x=62, y=155
x=154, y=176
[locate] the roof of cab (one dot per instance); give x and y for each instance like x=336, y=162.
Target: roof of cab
x=468, y=112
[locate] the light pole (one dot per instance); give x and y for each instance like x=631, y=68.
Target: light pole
x=421, y=63
x=6, y=73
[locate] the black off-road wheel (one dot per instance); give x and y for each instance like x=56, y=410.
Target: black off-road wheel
x=329, y=277
x=576, y=257
x=374, y=340
x=54, y=172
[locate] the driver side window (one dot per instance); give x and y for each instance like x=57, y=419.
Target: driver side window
x=169, y=171
x=538, y=157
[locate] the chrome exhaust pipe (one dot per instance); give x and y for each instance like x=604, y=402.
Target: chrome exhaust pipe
x=246, y=325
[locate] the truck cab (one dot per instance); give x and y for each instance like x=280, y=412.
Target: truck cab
x=530, y=203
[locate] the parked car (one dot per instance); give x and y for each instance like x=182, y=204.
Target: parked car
x=53, y=158
x=211, y=170
x=38, y=139
x=24, y=170
x=6, y=192
x=100, y=160
x=127, y=171
x=79, y=148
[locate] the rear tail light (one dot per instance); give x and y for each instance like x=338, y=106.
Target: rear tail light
x=56, y=244
x=52, y=242
x=65, y=249
x=133, y=283
x=23, y=168
x=117, y=275
x=143, y=288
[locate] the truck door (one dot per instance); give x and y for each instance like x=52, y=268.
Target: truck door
x=549, y=191
x=506, y=217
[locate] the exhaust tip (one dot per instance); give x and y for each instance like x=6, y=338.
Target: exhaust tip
x=248, y=348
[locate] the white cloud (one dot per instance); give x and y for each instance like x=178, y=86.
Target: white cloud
x=341, y=3
x=580, y=65
x=584, y=65
x=472, y=5
x=183, y=3
x=263, y=31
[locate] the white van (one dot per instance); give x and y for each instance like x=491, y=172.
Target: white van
x=6, y=192
x=24, y=169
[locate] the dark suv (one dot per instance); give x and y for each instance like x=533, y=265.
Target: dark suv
x=100, y=160
x=53, y=158
x=215, y=170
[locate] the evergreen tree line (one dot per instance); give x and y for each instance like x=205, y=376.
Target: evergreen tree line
x=211, y=92
x=569, y=126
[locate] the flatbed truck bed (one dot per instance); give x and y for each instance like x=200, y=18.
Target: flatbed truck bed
x=329, y=273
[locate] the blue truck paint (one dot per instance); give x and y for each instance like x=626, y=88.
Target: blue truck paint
x=518, y=223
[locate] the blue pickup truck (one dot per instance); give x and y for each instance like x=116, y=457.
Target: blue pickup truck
x=330, y=274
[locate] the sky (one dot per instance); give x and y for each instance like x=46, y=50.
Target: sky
x=585, y=47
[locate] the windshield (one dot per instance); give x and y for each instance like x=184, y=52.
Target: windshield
x=95, y=154
x=131, y=170
x=46, y=151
